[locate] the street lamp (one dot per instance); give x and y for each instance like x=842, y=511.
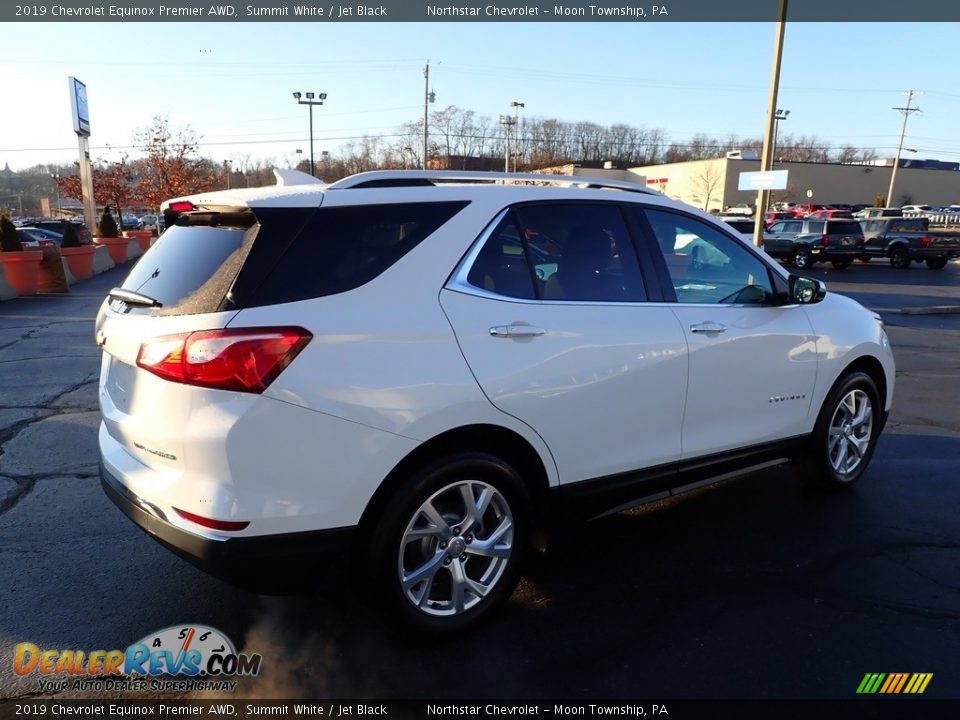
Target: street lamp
x=310, y=101
x=56, y=184
x=507, y=121
x=516, y=129
x=903, y=131
x=777, y=117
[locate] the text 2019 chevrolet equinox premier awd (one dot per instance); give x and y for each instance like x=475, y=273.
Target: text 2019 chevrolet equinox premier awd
x=415, y=371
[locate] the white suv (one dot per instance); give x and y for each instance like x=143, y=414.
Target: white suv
x=412, y=372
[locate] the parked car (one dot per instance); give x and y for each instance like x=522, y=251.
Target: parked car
x=37, y=236
x=909, y=239
x=772, y=216
x=744, y=226
x=418, y=394
x=57, y=227
x=827, y=213
x=129, y=222
x=804, y=242
x=916, y=209
x=874, y=212
x=150, y=222
x=740, y=209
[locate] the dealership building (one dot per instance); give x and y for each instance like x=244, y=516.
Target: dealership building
x=712, y=184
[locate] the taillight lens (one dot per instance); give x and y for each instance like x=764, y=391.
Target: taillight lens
x=243, y=360
x=182, y=206
x=825, y=240
x=925, y=241
x=232, y=525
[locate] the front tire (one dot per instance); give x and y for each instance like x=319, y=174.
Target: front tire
x=450, y=545
x=900, y=258
x=846, y=432
x=802, y=257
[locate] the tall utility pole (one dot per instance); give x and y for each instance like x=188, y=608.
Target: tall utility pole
x=428, y=97
x=516, y=105
x=903, y=131
x=766, y=161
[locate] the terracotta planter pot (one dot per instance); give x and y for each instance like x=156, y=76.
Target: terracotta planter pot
x=23, y=270
x=80, y=260
x=117, y=247
x=142, y=236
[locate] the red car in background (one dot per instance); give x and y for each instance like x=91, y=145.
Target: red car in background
x=771, y=216
x=830, y=214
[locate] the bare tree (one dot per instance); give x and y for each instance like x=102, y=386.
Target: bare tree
x=706, y=183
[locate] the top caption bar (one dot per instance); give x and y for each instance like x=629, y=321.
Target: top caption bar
x=859, y=11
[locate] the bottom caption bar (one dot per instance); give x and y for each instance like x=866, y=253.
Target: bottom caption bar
x=874, y=707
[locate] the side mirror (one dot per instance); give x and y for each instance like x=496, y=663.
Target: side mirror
x=806, y=291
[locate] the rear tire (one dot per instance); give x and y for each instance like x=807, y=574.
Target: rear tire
x=937, y=263
x=846, y=432
x=450, y=545
x=899, y=258
x=802, y=257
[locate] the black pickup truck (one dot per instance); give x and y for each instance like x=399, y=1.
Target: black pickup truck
x=908, y=239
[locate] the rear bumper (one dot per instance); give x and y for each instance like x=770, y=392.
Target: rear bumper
x=837, y=252
x=266, y=563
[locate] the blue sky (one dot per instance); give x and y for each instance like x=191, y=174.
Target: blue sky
x=232, y=82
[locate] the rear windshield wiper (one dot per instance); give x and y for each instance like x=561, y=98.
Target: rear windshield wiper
x=134, y=298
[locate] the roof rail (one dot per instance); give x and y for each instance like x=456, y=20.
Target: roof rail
x=414, y=178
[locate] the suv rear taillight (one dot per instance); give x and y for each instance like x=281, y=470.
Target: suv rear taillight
x=825, y=240
x=243, y=360
x=925, y=241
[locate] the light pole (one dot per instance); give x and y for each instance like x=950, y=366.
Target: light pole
x=56, y=184
x=903, y=131
x=778, y=116
x=516, y=130
x=320, y=97
x=506, y=121
x=428, y=97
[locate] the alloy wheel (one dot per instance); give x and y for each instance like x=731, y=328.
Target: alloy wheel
x=455, y=548
x=851, y=431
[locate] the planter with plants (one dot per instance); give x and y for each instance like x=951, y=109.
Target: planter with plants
x=141, y=236
x=78, y=257
x=109, y=237
x=22, y=267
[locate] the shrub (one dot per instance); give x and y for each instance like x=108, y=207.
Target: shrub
x=108, y=226
x=9, y=240
x=70, y=237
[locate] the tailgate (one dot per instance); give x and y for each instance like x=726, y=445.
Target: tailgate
x=143, y=413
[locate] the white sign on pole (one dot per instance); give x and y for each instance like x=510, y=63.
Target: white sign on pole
x=80, y=107
x=767, y=180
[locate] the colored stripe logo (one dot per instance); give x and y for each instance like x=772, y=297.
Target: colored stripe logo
x=894, y=683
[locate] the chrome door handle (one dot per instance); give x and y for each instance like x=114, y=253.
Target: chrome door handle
x=708, y=327
x=516, y=331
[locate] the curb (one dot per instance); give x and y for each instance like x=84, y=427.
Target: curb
x=932, y=310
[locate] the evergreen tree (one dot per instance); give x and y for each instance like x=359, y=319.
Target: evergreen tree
x=9, y=240
x=108, y=226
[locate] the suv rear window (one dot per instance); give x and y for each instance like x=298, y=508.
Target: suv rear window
x=189, y=269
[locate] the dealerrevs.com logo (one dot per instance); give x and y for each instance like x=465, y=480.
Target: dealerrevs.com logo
x=204, y=656
x=894, y=683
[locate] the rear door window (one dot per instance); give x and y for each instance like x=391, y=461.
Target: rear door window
x=342, y=248
x=843, y=228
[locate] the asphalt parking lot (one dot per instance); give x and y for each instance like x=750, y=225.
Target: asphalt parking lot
x=758, y=588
